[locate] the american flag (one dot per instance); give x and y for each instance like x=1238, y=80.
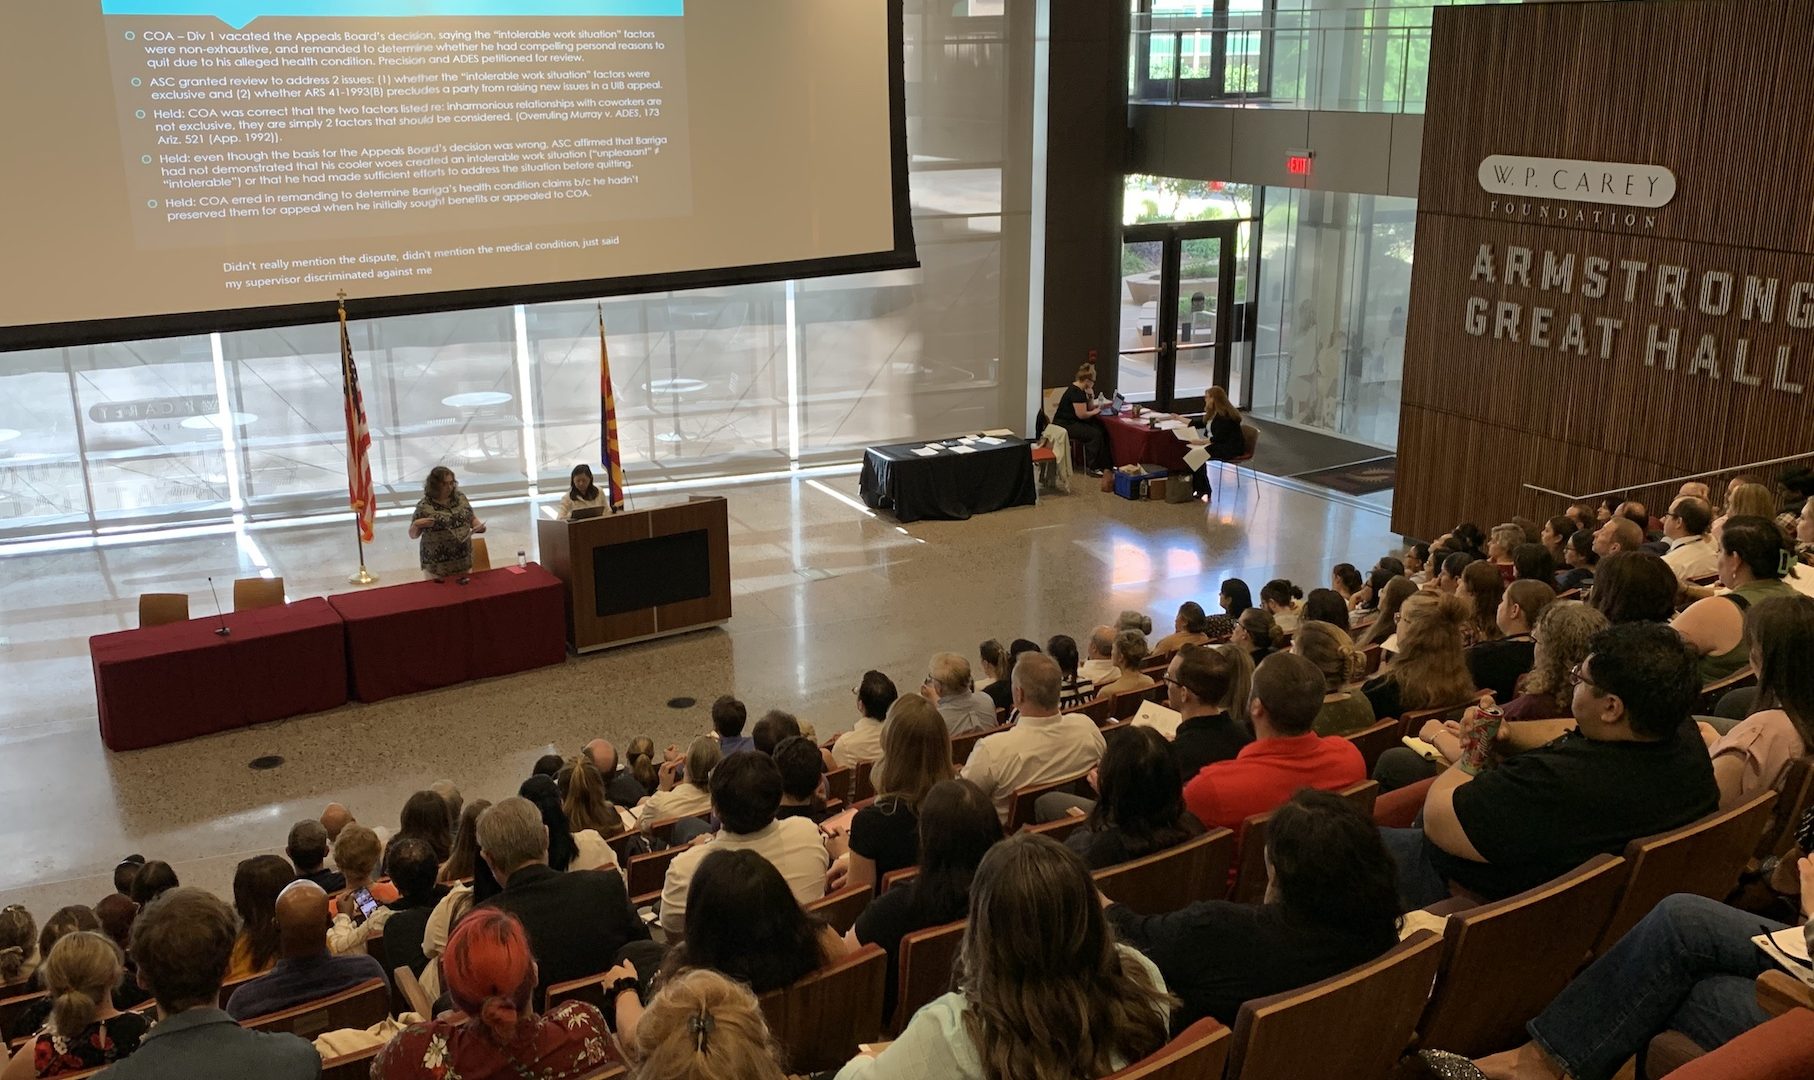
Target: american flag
x=358, y=438
x=614, y=462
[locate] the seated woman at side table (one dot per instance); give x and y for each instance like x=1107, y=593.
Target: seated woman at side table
x=582, y=493
x=1082, y=420
x=1222, y=423
x=445, y=524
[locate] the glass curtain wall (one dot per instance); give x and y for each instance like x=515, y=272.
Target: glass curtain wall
x=709, y=382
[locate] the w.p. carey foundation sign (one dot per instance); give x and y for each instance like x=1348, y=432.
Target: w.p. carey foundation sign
x=1610, y=182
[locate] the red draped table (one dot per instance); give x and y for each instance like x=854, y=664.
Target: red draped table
x=161, y=684
x=428, y=634
x=1132, y=442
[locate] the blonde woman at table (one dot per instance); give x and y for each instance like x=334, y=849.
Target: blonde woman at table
x=582, y=493
x=445, y=524
x=1222, y=423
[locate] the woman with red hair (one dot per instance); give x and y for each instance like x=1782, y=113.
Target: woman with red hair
x=491, y=976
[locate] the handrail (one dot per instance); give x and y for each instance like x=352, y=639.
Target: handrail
x=1672, y=480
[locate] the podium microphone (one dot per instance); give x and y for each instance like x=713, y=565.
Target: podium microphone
x=223, y=631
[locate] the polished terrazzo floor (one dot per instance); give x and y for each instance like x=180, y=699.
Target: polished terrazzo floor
x=823, y=591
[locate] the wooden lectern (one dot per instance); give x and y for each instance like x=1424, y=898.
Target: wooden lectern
x=642, y=574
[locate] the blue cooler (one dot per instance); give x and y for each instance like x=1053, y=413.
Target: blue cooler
x=1137, y=485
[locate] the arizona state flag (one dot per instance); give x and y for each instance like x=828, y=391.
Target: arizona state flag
x=358, y=438
x=614, y=463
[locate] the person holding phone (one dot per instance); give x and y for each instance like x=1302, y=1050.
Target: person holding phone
x=445, y=525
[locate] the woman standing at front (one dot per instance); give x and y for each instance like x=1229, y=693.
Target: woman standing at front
x=1082, y=421
x=445, y=524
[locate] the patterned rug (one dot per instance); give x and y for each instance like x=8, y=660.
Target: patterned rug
x=1359, y=478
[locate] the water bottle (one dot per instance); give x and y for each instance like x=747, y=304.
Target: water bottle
x=522, y=557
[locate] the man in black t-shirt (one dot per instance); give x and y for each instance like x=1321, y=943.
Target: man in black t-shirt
x=1633, y=765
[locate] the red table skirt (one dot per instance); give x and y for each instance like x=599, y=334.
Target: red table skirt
x=1131, y=442
x=162, y=684
x=427, y=634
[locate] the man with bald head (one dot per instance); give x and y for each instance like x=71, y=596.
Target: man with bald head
x=948, y=686
x=305, y=969
x=1043, y=745
x=1695, y=489
x=1098, y=665
x=619, y=784
x=1618, y=534
x=335, y=818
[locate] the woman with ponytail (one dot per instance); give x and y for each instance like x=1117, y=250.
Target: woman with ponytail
x=85, y=1031
x=703, y=1026
x=490, y=974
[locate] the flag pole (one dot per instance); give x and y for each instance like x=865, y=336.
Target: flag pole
x=613, y=458
x=362, y=576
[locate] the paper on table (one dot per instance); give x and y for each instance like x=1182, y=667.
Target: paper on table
x=1171, y=425
x=1000, y=432
x=926, y=451
x=990, y=440
x=963, y=449
x=1195, y=457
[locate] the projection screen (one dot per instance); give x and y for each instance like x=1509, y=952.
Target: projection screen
x=181, y=166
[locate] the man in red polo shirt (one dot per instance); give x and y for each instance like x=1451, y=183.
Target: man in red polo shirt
x=1285, y=755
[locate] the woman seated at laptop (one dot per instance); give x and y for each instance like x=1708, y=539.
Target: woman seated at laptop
x=582, y=494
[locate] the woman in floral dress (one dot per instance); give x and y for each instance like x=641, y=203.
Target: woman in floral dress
x=445, y=524
x=491, y=975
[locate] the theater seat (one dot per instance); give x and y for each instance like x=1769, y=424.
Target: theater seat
x=1782, y=1049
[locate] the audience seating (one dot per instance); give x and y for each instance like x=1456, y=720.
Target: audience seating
x=1250, y=881
x=1101, y=710
x=841, y=908
x=158, y=608
x=1128, y=702
x=589, y=989
x=897, y=877
x=820, y=1020
x=481, y=555
x=926, y=960
x=1794, y=794
x=646, y=874
x=1704, y=858
x=1399, y=809
x=1168, y=880
x=861, y=787
x=1375, y=741
x=1198, y=1053
x=1361, y=1019
x=1782, y=1049
x=227, y=988
x=1059, y=829
x=15, y=999
x=1711, y=693
x=415, y=998
x=252, y=593
x=961, y=745
x=354, y=1066
x=837, y=782
x=1412, y=722
x=1503, y=962
x=1020, y=812
x=359, y=1007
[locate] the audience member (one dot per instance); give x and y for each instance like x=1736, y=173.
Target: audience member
x=1695, y=488
x=1751, y=757
x=703, y=1026
x=743, y=921
x=465, y=851
x=916, y=756
x=1500, y=544
x=1098, y=667
x=1326, y=605
x=425, y=817
x=125, y=872
x=576, y=921
x=1385, y=624
x=1281, y=598
x=153, y=880
x=549, y=765
x=1691, y=552
x=1256, y=632
x=115, y=913
x=1043, y=746
x=956, y=827
x=1189, y=628
x=1430, y=669
x=1481, y=588
x=356, y=852
x=864, y=742
x=30, y=1017
x=621, y=784
x=1578, y=560
x=403, y=921
x=1417, y=563
x=1582, y=516
x=775, y=728
x=1127, y=656
x=1754, y=556
x=642, y=768
x=491, y=976
x=587, y=804
x=307, y=849
x=462, y=892
x=450, y=794
x=83, y=1029
x=18, y=945
x=1240, y=682
x=1331, y=904
x=256, y=884
x=564, y=845
x=1745, y=499
x=1340, y=664
x=1347, y=583
x=1631, y=767
x=1197, y=686
x=994, y=657
x=1634, y=586
x=335, y=818
x=1234, y=597
x=1618, y=534
x=1037, y=959
x=1073, y=690
x=1533, y=562
x=746, y=794
x=1141, y=806
x=182, y=942
x=728, y=717
x=1559, y=643
x=1554, y=536
x=305, y=969
x=1497, y=665
x=947, y=686
x=1134, y=620
x=1286, y=753
x=802, y=769
x=676, y=797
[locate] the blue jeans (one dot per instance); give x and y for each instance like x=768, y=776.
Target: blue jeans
x=1689, y=965
x=1420, y=884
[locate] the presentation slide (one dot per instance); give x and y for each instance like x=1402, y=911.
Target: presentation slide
x=179, y=166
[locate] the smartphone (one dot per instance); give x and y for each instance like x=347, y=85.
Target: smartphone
x=366, y=903
x=1804, y=832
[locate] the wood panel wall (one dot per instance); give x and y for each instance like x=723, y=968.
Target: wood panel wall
x=1720, y=92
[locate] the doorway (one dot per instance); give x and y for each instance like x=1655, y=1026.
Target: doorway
x=1183, y=291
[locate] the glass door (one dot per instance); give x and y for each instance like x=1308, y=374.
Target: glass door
x=1180, y=283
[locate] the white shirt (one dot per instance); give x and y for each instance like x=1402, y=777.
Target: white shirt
x=791, y=845
x=1037, y=750
x=569, y=504
x=684, y=799
x=594, y=853
x=966, y=713
x=859, y=744
x=1693, y=556
x=1099, y=671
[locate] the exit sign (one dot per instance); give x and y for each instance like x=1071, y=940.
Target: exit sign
x=1297, y=162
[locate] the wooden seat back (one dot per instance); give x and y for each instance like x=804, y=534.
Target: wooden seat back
x=1060, y=828
x=1704, y=858
x=961, y=745
x=646, y=873
x=359, y=1007
x=1794, y=795
x=1198, y=1053
x=1250, y=880
x=820, y=1020
x=1170, y=880
x=1101, y=710
x=1020, y=811
x=252, y=593
x=158, y=608
x=841, y=908
x=861, y=787
x=1375, y=741
x=838, y=782
x=354, y=1066
x=227, y=988
x=1128, y=702
x=1354, y=1025
x=1504, y=962
x=926, y=959
x=415, y=998
x=898, y=877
